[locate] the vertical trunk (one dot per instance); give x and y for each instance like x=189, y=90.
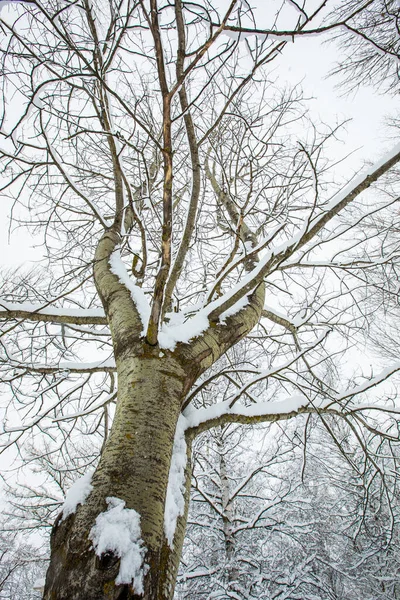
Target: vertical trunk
x=227, y=515
x=134, y=467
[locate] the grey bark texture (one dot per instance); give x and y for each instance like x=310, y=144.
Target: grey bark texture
x=134, y=466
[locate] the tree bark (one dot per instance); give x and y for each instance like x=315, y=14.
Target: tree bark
x=134, y=467
x=227, y=514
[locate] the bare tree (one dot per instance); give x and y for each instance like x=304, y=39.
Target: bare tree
x=20, y=567
x=371, y=45
x=181, y=198
x=291, y=515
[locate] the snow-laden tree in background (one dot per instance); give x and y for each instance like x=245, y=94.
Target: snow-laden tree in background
x=21, y=567
x=185, y=204
x=290, y=515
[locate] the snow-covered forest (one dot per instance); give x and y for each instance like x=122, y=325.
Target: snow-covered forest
x=199, y=377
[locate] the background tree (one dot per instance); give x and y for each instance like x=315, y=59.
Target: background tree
x=179, y=207
x=302, y=522
x=21, y=566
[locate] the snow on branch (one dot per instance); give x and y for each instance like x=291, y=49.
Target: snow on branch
x=138, y=296
x=279, y=318
x=183, y=328
x=199, y=573
x=353, y=189
x=275, y=256
x=82, y=413
x=100, y=366
x=198, y=420
x=289, y=35
x=194, y=421
x=205, y=418
x=368, y=384
x=50, y=314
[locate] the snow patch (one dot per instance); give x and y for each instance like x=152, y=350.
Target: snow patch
x=369, y=383
x=39, y=584
x=175, y=500
x=117, y=530
x=77, y=494
x=356, y=181
x=242, y=35
x=179, y=331
x=137, y=294
x=234, y=309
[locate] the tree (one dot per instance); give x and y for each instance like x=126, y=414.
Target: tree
x=152, y=138
x=20, y=567
x=299, y=524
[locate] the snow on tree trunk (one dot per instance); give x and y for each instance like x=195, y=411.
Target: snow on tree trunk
x=134, y=468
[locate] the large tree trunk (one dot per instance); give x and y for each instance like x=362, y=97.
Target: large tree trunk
x=134, y=467
x=135, y=463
